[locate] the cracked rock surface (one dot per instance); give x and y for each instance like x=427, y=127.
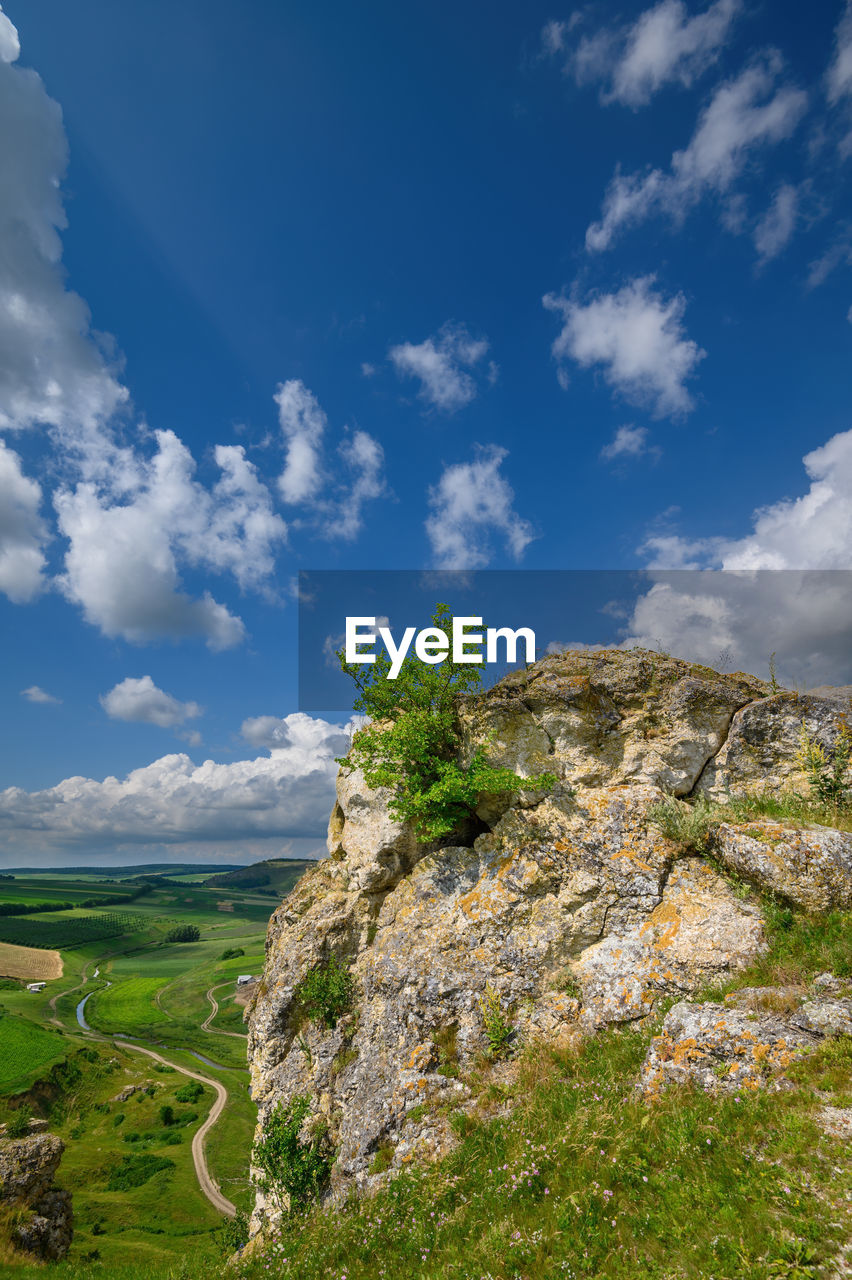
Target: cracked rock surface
x=571, y=906
x=28, y=1167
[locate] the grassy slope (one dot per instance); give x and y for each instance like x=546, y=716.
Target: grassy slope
x=583, y=1178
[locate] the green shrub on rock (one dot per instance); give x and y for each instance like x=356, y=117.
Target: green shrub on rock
x=412, y=744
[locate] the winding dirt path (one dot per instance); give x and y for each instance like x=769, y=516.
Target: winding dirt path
x=217, y=1031
x=205, y=1179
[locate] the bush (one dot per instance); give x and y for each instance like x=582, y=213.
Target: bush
x=291, y=1171
x=827, y=772
x=325, y=993
x=232, y=953
x=134, y=1170
x=190, y=1092
x=184, y=933
x=167, y=1114
x=18, y=1124
x=412, y=745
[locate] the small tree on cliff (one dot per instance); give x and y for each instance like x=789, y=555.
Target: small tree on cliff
x=411, y=744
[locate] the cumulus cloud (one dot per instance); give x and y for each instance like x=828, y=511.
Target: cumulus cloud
x=663, y=46
x=471, y=506
x=813, y=531
x=303, y=424
x=127, y=538
x=441, y=364
x=138, y=700
x=364, y=462
x=173, y=802
x=744, y=113
x=637, y=336
x=332, y=499
x=628, y=442
x=785, y=584
x=775, y=229
x=34, y=693
x=53, y=371
x=22, y=530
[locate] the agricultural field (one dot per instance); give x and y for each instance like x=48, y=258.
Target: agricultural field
x=31, y=964
x=62, y=931
x=137, y=1201
x=27, y=1048
x=126, y=1006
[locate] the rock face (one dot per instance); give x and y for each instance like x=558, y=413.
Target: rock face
x=747, y=1042
x=570, y=906
x=28, y=1168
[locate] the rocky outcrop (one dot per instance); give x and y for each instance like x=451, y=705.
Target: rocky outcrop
x=748, y=1041
x=810, y=868
x=570, y=907
x=43, y=1219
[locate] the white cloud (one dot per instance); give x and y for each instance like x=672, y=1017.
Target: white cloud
x=441, y=365
x=126, y=541
x=637, y=336
x=140, y=701
x=334, y=500
x=303, y=423
x=471, y=504
x=10, y=46
x=839, y=75
x=775, y=229
x=172, y=801
x=628, y=442
x=34, y=693
x=22, y=530
x=744, y=113
x=364, y=460
x=781, y=589
x=52, y=370
x=813, y=531
x=663, y=46
x=838, y=254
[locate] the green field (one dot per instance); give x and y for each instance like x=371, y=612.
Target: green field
x=65, y=930
x=27, y=1048
x=157, y=993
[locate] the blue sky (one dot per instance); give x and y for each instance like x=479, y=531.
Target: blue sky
x=300, y=286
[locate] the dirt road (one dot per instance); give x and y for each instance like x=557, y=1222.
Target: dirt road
x=217, y=1031
x=205, y=1181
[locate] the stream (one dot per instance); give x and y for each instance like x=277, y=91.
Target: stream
x=120, y=1035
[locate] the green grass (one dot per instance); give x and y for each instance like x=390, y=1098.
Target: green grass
x=585, y=1179
x=127, y=1006
x=27, y=1048
x=691, y=823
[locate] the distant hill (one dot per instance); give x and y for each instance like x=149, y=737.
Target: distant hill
x=275, y=876
x=129, y=873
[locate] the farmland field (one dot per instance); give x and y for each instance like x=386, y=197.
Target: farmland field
x=127, y=1006
x=58, y=931
x=29, y=963
x=146, y=985
x=27, y=1047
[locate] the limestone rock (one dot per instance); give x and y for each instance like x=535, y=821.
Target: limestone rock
x=570, y=907
x=698, y=932
x=810, y=867
x=28, y=1167
x=718, y=1047
x=760, y=751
